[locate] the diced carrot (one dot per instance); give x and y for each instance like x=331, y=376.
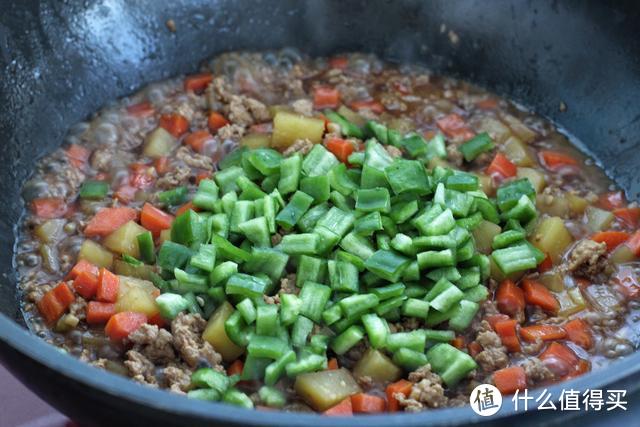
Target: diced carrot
x=363, y=403
x=629, y=216
x=546, y=264
x=581, y=368
x=82, y=265
x=501, y=167
x=626, y=281
x=510, y=299
x=108, y=220
x=176, y=124
x=342, y=409
x=332, y=365
x=401, y=386
x=325, y=97
x=202, y=175
x=108, y=285
x=612, y=200
x=49, y=207
x=125, y=193
x=580, y=333
x=120, y=325
x=341, y=148
x=554, y=160
x=495, y=318
x=543, y=332
x=611, y=237
x=55, y=302
x=369, y=104
x=454, y=126
x=339, y=62
x=197, y=139
x=142, y=109
x=161, y=165
x=187, y=206
x=235, y=368
x=86, y=284
x=474, y=348
x=198, y=82
x=154, y=219
x=78, y=155
x=559, y=358
x=99, y=312
x=487, y=104
x=537, y=294
x=506, y=330
x=216, y=121
x=510, y=379
x=459, y=342
x=634, y=243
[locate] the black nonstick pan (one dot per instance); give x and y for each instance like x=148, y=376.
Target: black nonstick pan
x=61, y=60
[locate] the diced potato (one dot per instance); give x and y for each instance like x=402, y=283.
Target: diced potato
x=274, y=109
x=357, y=119
x=554, y=281
x=484, y=234
x=125, y=269
x=486, y=184
x=622, y=254
x=51, y=231
x=322, y=390
x=66, y=323
x=535, y=176
x=598, y=219
x=569, y=305
x=518, y=152
x=519, y=128
x=552, y=237
x=552, y=205
x=158, y=143
x=165, y=235
x=288, y=127
x=577, y=204
x=215, y=334
x=497, y=130
x=96, y=254
x=137, y=295
x=256, y=140
x=377, y=366
x=124, y=239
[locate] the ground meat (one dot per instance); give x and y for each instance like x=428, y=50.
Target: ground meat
x=454, y=155
x=494, y=354
x=302, y=146
x=154, y=343
x=276, y=239
x=174, y=178
x=140, y=368
x=288, y=285
x=393, y=151
x=218, y=92
x=303, y=106
x=194, y=160
x=356, y=352
x=178, y=378
x=271, y=299
x=101, y=159
x=100, y=363
x=533, y=347
x=536, y=371
x=408, y=324
x=230, y=131
x=588, y=258
x=246, y=111
x=187, y=339
x=78, y=308
x=427, y=391
x=365, y=381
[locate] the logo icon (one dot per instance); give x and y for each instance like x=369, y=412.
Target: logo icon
x=485, y=400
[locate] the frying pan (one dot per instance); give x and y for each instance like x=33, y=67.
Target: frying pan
x=62, y=60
